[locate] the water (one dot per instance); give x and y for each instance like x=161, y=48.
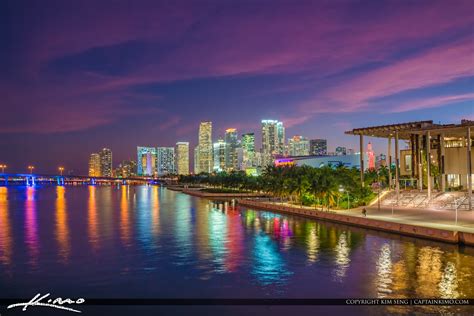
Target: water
x=150, y=242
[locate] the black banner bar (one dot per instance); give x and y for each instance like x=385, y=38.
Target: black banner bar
x=259, y=301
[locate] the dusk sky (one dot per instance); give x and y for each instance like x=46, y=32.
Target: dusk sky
x=77, y=76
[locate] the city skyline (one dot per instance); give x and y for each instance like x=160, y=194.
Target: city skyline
x=74, y=80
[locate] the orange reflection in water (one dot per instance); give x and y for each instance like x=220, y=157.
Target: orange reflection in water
x=62, y=228
x=92, y=219
x=124, y=216
x=234, y=239
x=155, y=211
x=5, y=235
x=31, y=226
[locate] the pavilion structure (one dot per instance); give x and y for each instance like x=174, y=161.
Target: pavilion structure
x=448, y=146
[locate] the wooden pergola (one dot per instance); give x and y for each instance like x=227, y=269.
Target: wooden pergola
x=417, y=133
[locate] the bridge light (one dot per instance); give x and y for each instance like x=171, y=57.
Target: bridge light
x=31, y=169
x=61, y=169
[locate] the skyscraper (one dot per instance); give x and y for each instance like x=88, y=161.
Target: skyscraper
x=126, y=169
x=318, y=147
x=232, y=144
x=182, y=157
x=196, y=160
x=205, y=147
x=220, y=155
x=248, y=150
x=147, y=158
x=273, y=140
x=165, y=160
x=105, y=162
x=370, y=156
x=298, y=146
x=94, y=165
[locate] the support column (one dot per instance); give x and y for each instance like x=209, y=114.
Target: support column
x=412, y=155
x=397, y=168
x=469, y=168
x=428, y=164
x=441, y=163
x=361, y=159
x=420, y=163
x=389, y=154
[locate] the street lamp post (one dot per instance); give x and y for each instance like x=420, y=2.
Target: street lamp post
x=3, y=168
x=31, y=169
x=341, y=189
x=378, y=192
x=61, y=169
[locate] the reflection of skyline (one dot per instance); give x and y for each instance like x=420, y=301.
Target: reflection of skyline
x=218, y=238
x=312, y=241
x=235, y=240
x=144, y=209
x=217, y=241
x=428, y=271
x=31, y=226
x=92, y=218
x=268, y=266
x=124, y=216
x=5, y=230
x=342, y=260
x=384, y=272
x=183, y=227
x=155, y=213
x=62, y=229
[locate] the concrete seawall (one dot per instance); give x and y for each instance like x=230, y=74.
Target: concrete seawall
x=453, y=237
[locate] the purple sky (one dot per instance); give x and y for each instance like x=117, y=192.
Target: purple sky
x=77, y=76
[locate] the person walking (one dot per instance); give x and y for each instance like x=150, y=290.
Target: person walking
x=364, y=212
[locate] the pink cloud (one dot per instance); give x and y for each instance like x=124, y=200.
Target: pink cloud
x=432, y=102
x=211, y=40
x=439, y=65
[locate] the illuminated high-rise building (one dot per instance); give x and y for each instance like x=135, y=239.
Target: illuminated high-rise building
x=248, y=150
x=205, y=147
x=196, y=160
x=298, y=146
x=318, y=147
x=231, y=161
x=94, y=165
x=273, y=140
x=126, y=169
x=147, y=158
x=165, y=160
x=182, y=158
x=105, y=162
x=370, y=156
x=220, y=155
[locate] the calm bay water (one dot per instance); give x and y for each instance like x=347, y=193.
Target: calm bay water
x=150, y=242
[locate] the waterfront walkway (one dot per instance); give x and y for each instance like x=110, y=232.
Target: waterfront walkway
x=442, y=219
x=404, y=223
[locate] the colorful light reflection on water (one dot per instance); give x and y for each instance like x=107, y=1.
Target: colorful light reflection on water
x=146, y=241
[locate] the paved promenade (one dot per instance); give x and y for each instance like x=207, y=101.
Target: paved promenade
x=405, y=222
x=442, y=219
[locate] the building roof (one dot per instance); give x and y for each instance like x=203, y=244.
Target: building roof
x=419, y=127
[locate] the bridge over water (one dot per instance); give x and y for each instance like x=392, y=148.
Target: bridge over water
x=32, y=179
